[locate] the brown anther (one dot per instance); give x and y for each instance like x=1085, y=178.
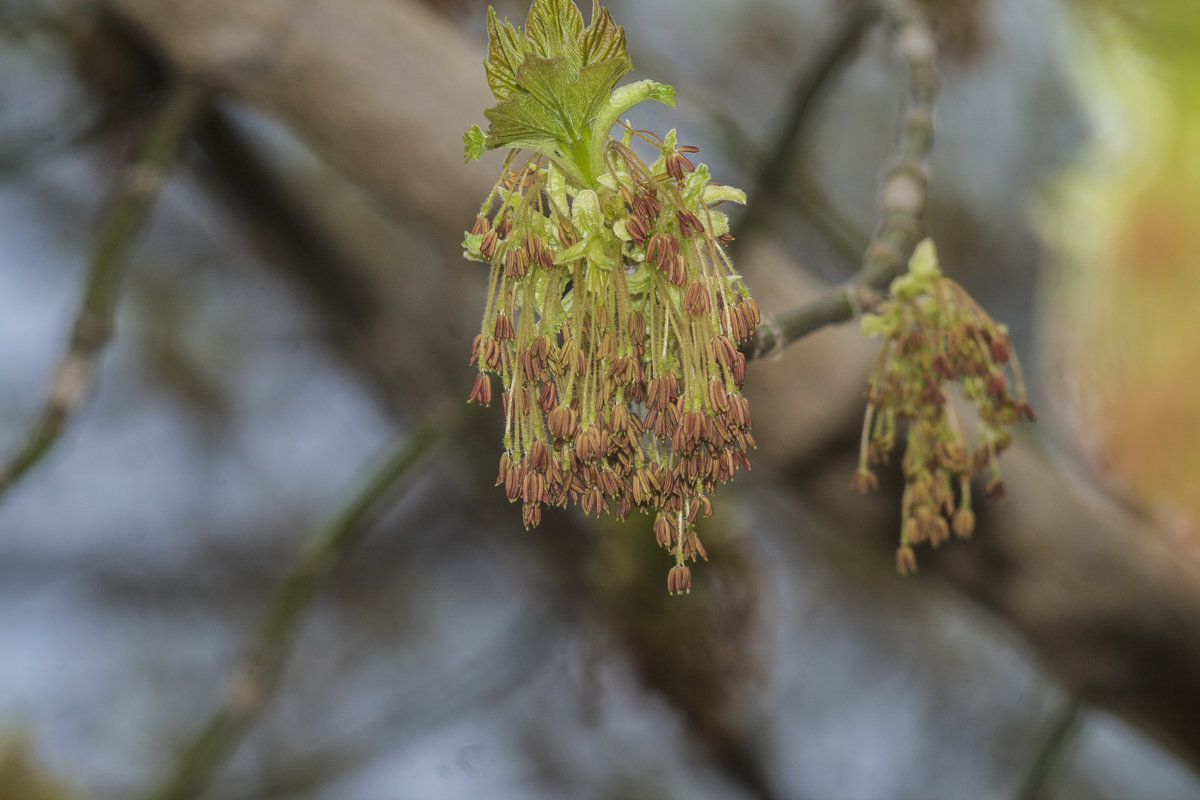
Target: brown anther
x=661, y=392
x=751, y=312
x=689, y=223
x=739, y=412
x=591, y=443
x=1000, y=350
x=533, y=488
x=593, y=502
x=717, y=396
x=554, y=474
x=639, y=488
x=481, y=392
x=548, y=398
x=516, y=263
x=481, y=225
x=692, y=547
x=566, y=235
x=487, y=247
x=939, y=531
x=679, y=580
x=726, y=465
x=696, y=300
x=504, y=226
x=662, y=250
x=931, y=395
x=664, y=531
x=512, y=483
x=624, y=507
x=674, y=167
x=995, y=489
x=963, y=523
x=636, y=227
x=677, y=271
x=994, y=383
x=667, y=423
x=620, y=420
x=493, y=354
x=607, y=350
x=531, y=515
x=735, y=326
x=637, y=326
x=725, y=350
x=562, y=422
x=720, y=430
x=503, y=328
x=645, y=204
x=943, y=368
x=539, y=456
x=609, y=483
x=906, y=560
x=864, y=480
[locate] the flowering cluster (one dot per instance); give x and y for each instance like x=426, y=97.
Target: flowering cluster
x=933, y=334
x=613, y=315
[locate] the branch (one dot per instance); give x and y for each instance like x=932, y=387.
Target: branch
x=903, y=198
x=256, y=675
x=1063, y=733
x=769, y=181
x=136, y=190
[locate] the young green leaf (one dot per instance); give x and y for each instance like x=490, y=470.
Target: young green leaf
x=506, y=52
x=553, y=29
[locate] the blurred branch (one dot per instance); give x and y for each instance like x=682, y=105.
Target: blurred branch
x=775, y=169
x=255, y=677
x=801, y=193
x=840, y=232
x=137, y=189
x=903, y=198
x=57, y=136
x=1063, y=733
x=259, y=198
x=366, y=83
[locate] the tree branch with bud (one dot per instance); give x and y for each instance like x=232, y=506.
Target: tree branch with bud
x=135, y=193
x=903, y=195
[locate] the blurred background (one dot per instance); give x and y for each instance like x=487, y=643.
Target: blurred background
x=296, y=300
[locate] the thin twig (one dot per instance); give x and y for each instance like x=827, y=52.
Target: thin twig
x=58, y=136
x=903, y=197
x=843, y=235
x=1063, y=733
x=801, y=194
x=255, y=677
x=775, y=169
x=134, y=195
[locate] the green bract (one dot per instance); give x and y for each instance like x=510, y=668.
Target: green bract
x=554, y=83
